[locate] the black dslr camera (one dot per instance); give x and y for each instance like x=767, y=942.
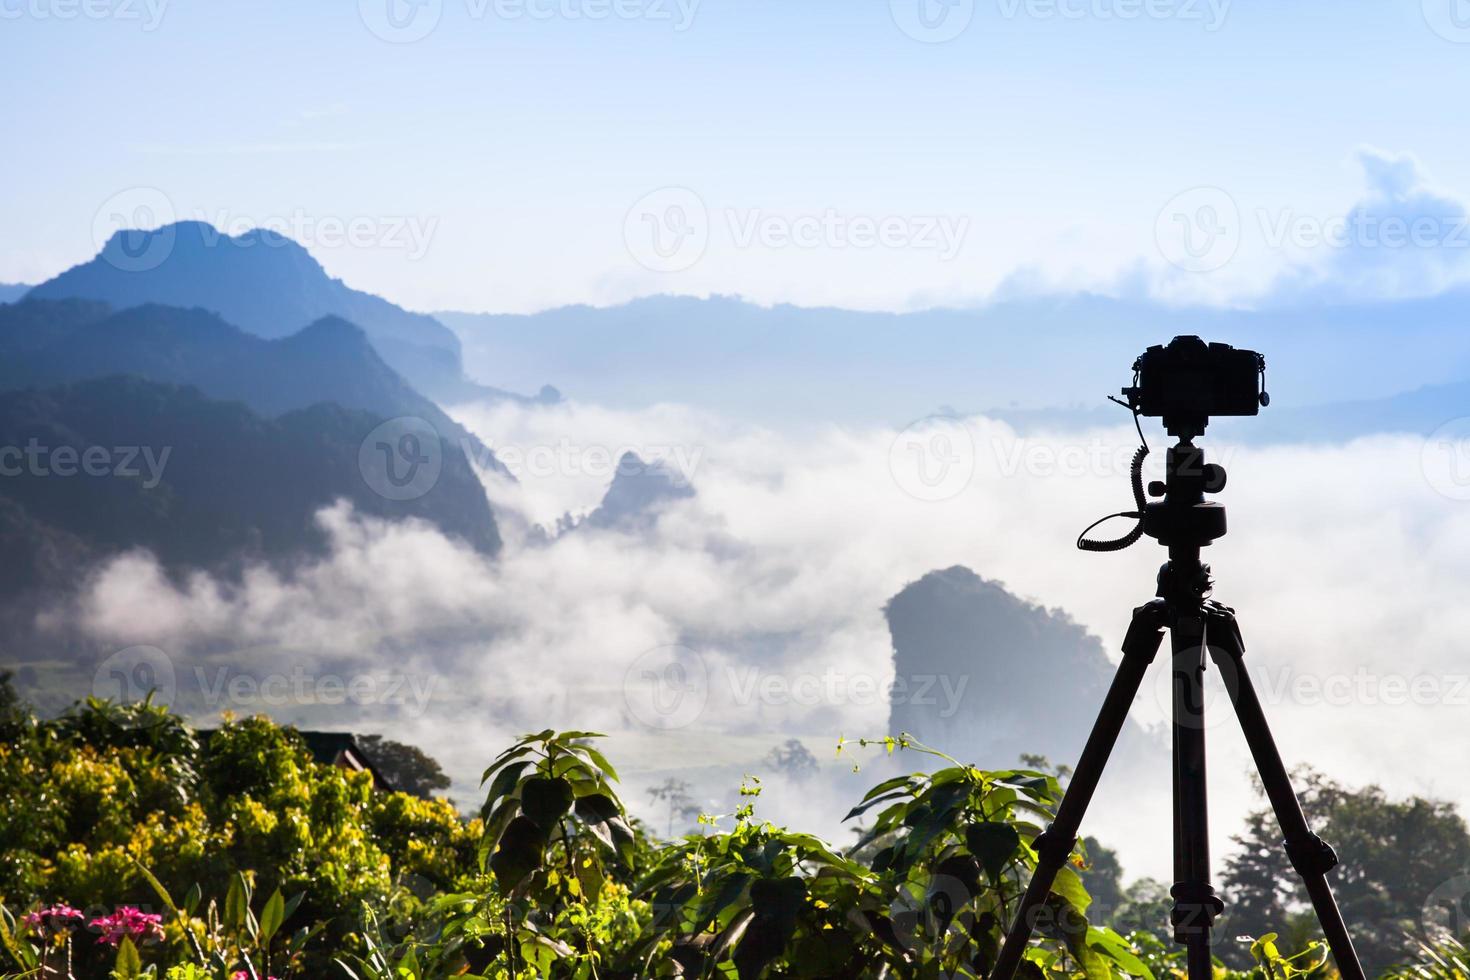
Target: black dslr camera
x=1189, y=380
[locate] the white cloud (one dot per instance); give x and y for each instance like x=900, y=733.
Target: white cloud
x=1340, y=558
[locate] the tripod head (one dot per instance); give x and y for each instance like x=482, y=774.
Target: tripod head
x=1184, y=383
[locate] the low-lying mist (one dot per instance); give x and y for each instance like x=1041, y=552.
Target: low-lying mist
x=752, y=612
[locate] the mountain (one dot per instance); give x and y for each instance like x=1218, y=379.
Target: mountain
x=784, y=364
x=10, y=292
x=984, y=674
x=269, y=286
x=99, y=467
x=637, y=492
x=47, y=342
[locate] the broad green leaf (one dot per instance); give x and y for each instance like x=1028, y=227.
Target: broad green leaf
x=520, y=852
x=272, y=916
x=235, y=907
x=1070, y=888
x=128, y=964
x=546, y=801
x=993, y=844
x=157, y=886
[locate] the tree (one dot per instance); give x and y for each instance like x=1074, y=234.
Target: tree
x=675, y=792
x=1396, y=854
x=793, y=760
x=408, y=768
x=1103, y=877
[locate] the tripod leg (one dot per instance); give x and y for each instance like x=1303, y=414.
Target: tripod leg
x=1310, y=855
x=1195, y=904
x=1053, y=847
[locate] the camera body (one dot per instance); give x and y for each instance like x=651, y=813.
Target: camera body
x=1188, y=381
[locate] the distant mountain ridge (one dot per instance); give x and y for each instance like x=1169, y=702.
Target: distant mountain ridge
x=100, y=467
x=267, y=285
x=48, y=342
x=1034, y=357
x=10, y=292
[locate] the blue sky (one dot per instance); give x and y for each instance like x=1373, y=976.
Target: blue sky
x=492, y=164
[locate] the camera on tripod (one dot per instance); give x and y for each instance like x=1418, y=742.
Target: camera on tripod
x=1187, y=381
x=1184, y=383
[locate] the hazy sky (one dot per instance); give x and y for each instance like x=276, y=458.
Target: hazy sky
x=835, y=151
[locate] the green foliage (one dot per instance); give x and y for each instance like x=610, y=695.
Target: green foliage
x=111, y=806
x=1447, y=959
x=290, y=869
x=1397, y=853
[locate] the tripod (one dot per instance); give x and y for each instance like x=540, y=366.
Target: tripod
x=1184, y=522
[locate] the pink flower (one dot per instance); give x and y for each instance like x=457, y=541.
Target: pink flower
x=131, y=923
x=53, y=921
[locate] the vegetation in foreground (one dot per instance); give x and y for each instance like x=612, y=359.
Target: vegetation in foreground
x=135, y=847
